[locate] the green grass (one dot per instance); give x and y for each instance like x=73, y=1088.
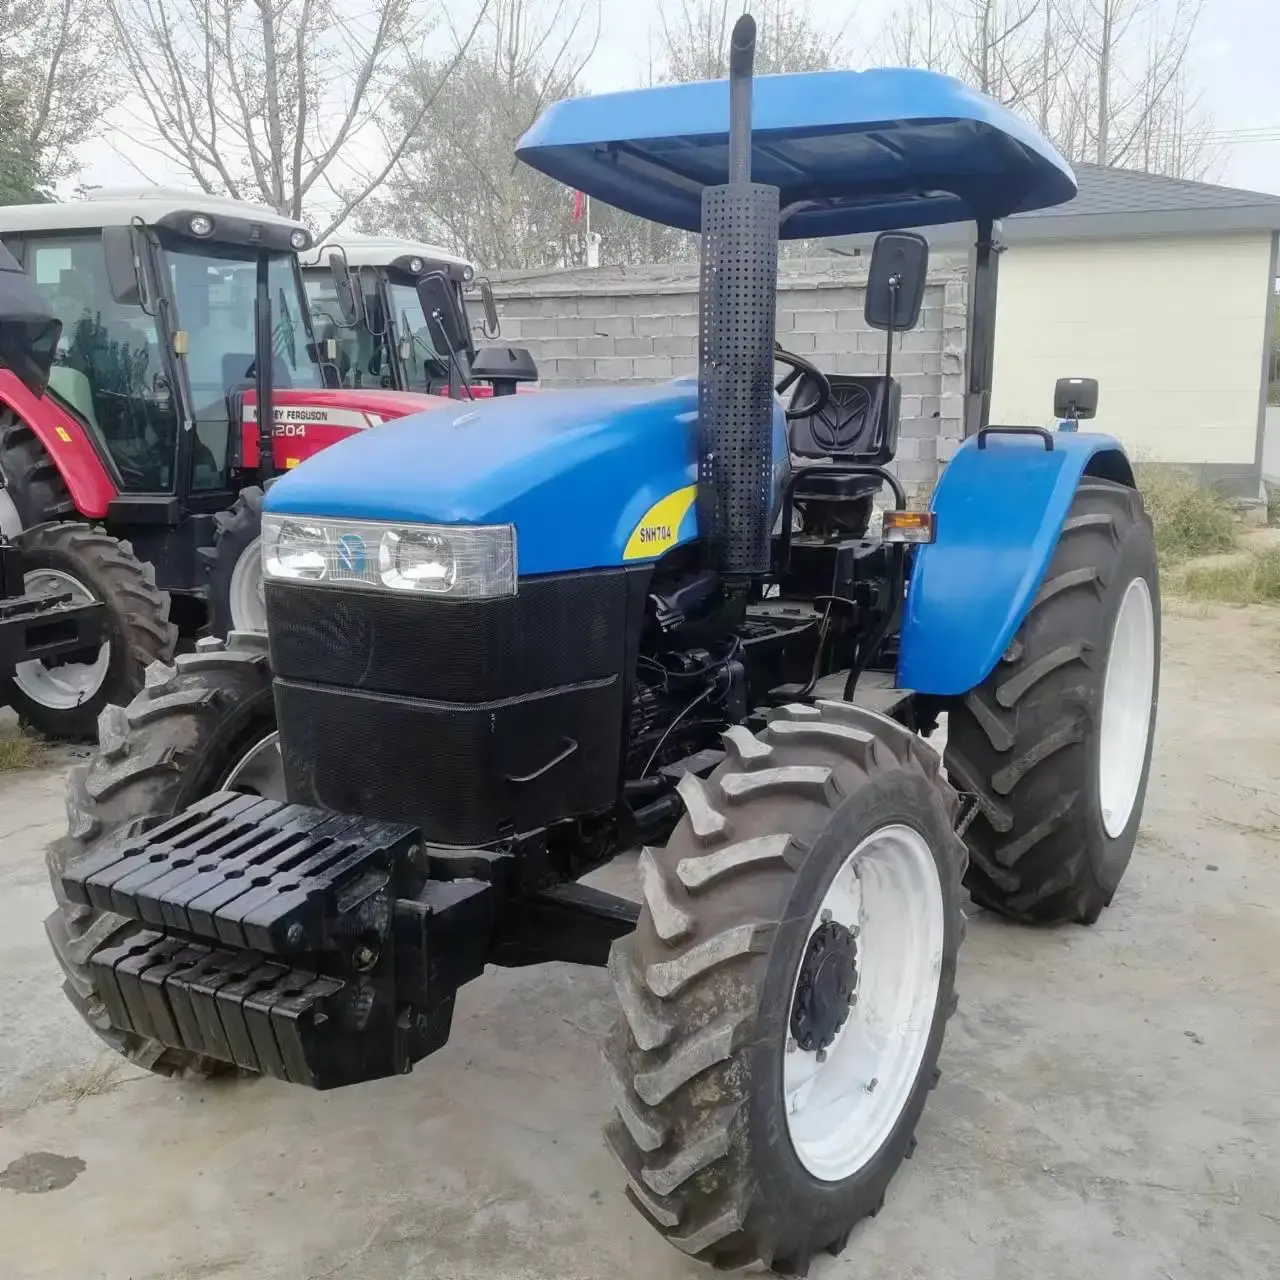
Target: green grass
x=19, y=750
x=1248, y=579
x=1190, y=520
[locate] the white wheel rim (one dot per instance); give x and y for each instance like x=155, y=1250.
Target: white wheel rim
x=841, y=1111
x=64, y=685
x=1126, y=707
x=248, y=598
x=260, y=771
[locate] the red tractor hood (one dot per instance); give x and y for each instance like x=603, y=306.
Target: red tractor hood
x=308, y=421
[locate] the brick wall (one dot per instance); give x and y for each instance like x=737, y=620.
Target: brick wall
x=640, y=324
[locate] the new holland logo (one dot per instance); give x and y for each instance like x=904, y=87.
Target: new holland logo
x=351, y=553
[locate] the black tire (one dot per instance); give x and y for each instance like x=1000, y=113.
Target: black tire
x=1026, y=741
x=138, y=628
x=695, y=1057
x=30, y=477
x=237, y=530
x=175, y=742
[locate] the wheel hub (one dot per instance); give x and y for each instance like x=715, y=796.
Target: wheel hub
x=825, y=988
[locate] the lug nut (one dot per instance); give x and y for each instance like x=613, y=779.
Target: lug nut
x=296, y=935
x=822, y=1055
x=871, y=1088
x=825, y=916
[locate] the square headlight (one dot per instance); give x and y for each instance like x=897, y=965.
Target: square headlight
x=457, y=562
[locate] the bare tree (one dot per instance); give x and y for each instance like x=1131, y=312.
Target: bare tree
x=54, y=90
x=996, y=48
x=459, y=183
x=918, y=34
x=693, y=38
x=280, y=101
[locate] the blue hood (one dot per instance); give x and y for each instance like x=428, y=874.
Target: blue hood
x=576, y=472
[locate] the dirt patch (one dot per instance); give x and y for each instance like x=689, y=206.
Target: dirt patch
x=40, y=1171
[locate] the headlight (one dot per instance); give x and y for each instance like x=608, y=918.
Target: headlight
x=299, y=239
x=462, y=562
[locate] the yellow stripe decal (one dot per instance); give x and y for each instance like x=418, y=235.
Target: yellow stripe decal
x=659, y=528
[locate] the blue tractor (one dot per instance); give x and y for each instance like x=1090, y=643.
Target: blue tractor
x=570, y=624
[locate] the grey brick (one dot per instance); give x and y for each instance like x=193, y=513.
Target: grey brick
x=687, y=325
x=652, y=326
x=918, y=384
x=684, y=366
x=905, y=362
x=676, y=345
x=558, y=349
x=519, y=307
x=851, y=318
x=559, y=305
x=910, y=471
x=596, y=344
x=578, y=370
x=871, y=340
x=613, y=369
x=614, y=326
x=922, y=340
x=540, y=327
x=633, y=346
x=908, y=449
x=511, y=328
x=910, y=407
x=918, y=427
x=800, y=343
x=653, y=368
x=946, y=447
x=598, y=305
x=930, y=406
x=576, y=327
x=815, y=321
x=855, y=363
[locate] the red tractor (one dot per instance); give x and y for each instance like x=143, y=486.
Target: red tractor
x=136, y=481
x=388, y=341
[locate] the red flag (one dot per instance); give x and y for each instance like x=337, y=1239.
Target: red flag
x=578, y=203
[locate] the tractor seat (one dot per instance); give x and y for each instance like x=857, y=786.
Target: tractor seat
x=814, y=485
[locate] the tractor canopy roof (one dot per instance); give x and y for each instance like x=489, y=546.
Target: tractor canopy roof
x=850, y=151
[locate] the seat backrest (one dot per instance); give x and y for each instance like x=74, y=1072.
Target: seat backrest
x=853, y=425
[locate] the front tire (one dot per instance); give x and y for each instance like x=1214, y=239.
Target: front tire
x=1055, y=744
x=234, y=567
x=197, y=726
x=730, y=933
x=63, y=699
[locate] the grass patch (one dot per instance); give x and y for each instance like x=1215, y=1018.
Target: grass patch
x=1190, y=520
x=19, y=750
x=1247, y=579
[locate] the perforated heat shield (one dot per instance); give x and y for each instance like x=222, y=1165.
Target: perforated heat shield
x=735, y=374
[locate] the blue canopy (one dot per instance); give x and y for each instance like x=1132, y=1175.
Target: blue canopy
x=850, y=151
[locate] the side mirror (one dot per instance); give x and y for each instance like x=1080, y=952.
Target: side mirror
x=445, y=322
x=124, y=265
x=896, y=280
x=344, y=289
x=492, y=325
x=1075, y=399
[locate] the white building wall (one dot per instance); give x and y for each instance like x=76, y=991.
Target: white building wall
x=1172, y=327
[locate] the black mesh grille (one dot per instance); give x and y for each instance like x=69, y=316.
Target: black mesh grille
x=735, y=378
x=465, y=773
x=558, y=630
x=471, y=719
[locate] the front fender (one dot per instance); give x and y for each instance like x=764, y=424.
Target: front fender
x=66, y=442
x=999, y=513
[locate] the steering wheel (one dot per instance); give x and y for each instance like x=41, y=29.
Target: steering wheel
x=802, y=368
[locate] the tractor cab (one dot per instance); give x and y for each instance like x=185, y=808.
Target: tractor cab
x=372, y=307
x=158, y=298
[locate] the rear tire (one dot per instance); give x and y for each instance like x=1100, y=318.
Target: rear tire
x=138, y=630
x=32, y=482
x=698, y=1055
x=1028, y=742
x=233, y=567
x=178, y=740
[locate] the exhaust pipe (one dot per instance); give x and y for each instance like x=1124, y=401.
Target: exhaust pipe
x=737, y=321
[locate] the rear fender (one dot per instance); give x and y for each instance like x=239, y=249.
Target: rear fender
x=999, y=513
x=67, y=443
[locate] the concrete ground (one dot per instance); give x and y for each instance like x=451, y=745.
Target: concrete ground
x=1110, y=1105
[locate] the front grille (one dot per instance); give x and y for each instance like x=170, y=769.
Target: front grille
x=473, y=720
x=557, y=630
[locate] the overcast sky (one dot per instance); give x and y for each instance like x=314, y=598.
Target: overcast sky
x=1235, y=60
